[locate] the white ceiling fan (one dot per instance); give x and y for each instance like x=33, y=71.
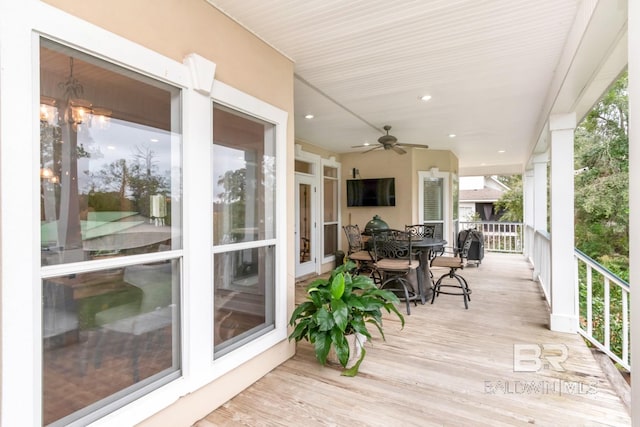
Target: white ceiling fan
x=390, y=142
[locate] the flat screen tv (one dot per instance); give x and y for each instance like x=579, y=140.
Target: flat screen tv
x=371, y=192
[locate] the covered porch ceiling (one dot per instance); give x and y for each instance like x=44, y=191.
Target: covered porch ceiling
x=495, y=70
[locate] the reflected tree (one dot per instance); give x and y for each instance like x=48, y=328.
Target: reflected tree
x=145, y=179
x=131, y=181
x=233, y=197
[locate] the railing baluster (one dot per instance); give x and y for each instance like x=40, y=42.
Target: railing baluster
x=589, y=300
x=607, y=314
x=498, y=236
x=603, y=341
x=625, y=326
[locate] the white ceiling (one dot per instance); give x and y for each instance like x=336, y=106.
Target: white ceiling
x=362, y=64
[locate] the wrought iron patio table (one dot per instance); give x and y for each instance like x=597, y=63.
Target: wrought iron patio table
x=425, y=245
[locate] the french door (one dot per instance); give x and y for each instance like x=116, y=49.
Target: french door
x=305, y=225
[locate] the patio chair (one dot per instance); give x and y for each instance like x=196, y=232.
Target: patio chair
x=422, y=231
x=358, y=253
x=152, y=315
x=395, y=263
x=454, y=262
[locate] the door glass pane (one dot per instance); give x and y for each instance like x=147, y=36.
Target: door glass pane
x=330, y=239
x=330, y=171
x=330, y=200
x=109, y=160
x=244, y=178
x=106, y=334
x=456, y=198
x=304, y=216
x=303, y=167
x=330, y=209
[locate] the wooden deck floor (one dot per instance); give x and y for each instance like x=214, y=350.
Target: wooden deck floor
x=447, y=367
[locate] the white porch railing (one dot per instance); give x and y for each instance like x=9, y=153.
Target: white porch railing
x=602, y=298
x=603, y=305
x=498, y=236
x=540, y=256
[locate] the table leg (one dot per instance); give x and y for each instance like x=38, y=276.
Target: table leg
x=424, y=279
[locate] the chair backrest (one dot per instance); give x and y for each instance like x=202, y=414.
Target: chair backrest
x=354, y=237
x=421, y=230
x=392, y=244
x=155, y=281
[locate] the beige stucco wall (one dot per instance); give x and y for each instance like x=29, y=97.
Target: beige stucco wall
x=385, y=164
x=404, y=168
x=314, y=149
x=175, y=28
x=445, y=161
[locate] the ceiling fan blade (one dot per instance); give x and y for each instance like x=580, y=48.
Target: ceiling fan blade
x=398, y=149
x=374, y=148
x=413, y=145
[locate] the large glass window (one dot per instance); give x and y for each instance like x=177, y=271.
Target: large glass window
x=244, y=211
x=110, y=193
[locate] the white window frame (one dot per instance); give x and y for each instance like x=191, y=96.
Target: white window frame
x=22, y=23
x=316, y=176
x=225, y=95
x=332, y=163
x=446, y=199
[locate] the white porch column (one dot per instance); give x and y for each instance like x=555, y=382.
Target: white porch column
x=563, y=296
x=634, y=200
x=528, y=204
x=540, y=190
x=540, y=201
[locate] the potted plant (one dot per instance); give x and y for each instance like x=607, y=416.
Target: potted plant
x=337, y=311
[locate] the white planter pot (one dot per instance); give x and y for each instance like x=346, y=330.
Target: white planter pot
x=355, y=341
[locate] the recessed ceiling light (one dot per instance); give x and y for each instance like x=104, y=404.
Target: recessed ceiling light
x=452, y=135
x=111, y=147
x=501, y=151
x=309, y=116
x=425, y=97
x=154, y=140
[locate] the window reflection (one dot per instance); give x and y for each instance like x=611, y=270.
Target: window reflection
x=243, y=215
x=244, y=178
x=106, y=331
x=243, y=284
x=107, y=174
x=110, y=175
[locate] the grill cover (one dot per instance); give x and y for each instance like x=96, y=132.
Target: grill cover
x=375, y=224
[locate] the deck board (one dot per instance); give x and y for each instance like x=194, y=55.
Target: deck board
x=448, y=366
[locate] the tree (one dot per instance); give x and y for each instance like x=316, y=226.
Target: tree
x=511, y=200
x=602, y=181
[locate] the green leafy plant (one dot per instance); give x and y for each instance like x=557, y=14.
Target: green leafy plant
x=337, y=306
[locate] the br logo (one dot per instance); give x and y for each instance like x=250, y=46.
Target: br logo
x=535, y=357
